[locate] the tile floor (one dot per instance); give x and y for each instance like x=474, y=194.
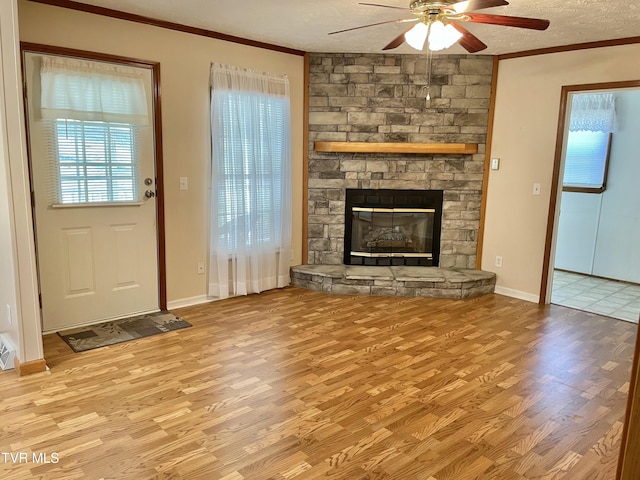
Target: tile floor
x=611, y=298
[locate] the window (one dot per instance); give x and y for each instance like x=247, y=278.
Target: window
x=587, y=161
x=593, y=118
x=250, y=181
x=252, y=162
x=95, y=162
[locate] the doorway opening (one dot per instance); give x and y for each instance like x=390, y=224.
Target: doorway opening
x=593, y=263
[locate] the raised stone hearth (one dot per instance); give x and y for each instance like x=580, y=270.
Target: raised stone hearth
x=400, y=281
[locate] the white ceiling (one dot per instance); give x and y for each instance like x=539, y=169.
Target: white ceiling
x=304, y=24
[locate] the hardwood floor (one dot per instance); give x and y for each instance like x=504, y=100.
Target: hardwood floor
x=300, y=384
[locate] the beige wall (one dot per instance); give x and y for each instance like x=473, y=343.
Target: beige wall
x=524, y=137
x=184, y=65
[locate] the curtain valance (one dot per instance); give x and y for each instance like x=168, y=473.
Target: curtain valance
x=236, y=79
x=593, y=112
x=86, y=90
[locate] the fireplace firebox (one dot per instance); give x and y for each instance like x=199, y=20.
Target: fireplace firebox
x=392, y=227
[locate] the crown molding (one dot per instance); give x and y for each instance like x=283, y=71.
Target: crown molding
x=108, y=12
x=570, y=48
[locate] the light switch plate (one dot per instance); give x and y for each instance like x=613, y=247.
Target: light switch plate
x=536, y=189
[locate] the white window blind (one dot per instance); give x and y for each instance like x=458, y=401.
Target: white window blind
x=251, y=190
x=586, y=159
x=93, y=162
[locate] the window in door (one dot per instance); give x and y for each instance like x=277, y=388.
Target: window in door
x=93, y=162
x=92, y=113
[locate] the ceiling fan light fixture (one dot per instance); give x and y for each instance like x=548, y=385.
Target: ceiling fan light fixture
x=446, y=17
x=442, y=36
x=417, y=36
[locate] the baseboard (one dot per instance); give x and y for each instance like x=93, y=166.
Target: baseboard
x=188, y=302
x=28, y=368
x=510, y=292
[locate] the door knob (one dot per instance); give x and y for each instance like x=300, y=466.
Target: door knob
x=149, y=194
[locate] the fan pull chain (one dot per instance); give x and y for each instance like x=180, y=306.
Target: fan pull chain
x=429, y=64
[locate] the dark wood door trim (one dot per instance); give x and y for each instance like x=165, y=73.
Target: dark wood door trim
x=487, y=162
x=305, y=161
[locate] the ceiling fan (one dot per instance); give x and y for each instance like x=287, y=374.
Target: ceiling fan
x=440, y=23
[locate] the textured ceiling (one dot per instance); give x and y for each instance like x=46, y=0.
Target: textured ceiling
x=304, y=24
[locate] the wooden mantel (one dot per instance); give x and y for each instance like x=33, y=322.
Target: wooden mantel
x=369, y=147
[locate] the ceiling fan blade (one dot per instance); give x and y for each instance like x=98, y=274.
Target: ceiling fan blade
x=384, y=6
x=402, y=20
x=506, y=21
x=396, y=42
x=469, y=41
x=472, y=5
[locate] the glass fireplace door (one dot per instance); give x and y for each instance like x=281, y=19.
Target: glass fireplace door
x=392, y=232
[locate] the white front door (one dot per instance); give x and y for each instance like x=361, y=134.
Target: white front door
x=97, y=254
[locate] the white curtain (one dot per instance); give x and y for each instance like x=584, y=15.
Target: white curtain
x=250, y=182
x=95, y=91
x=593, y=112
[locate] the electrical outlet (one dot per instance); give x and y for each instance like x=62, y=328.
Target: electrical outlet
x=495, y=163
x=200, y=268
x=498, y=261
x=9, y=316
x=184, y=183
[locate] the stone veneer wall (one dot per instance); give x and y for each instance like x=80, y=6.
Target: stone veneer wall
x=380, y=98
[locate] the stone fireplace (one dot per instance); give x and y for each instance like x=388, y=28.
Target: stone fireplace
x=392, y=227
x=380, y=98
